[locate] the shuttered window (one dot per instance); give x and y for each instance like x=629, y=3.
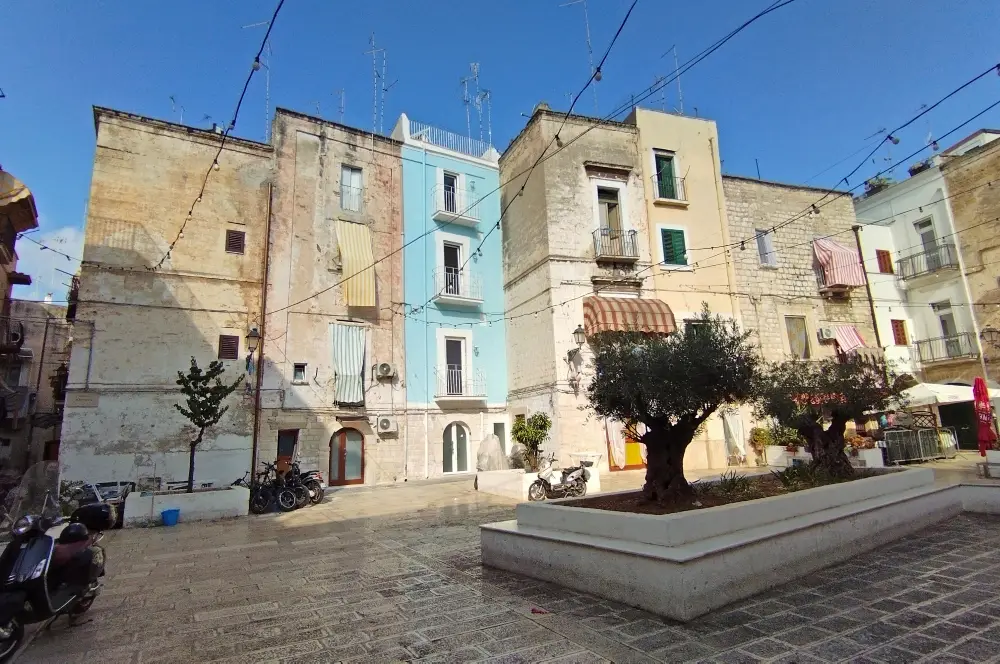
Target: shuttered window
x=899, y=333
x=765, y=248
x=235, y=242
x=229, y=347
x=884, y=259
x=674, y=251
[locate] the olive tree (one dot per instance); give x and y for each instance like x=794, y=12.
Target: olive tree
x=204, y=393
x=818, y=399
x=671, y=384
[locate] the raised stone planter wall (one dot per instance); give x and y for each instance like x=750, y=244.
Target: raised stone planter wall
x=143, y=508
x=514, y=483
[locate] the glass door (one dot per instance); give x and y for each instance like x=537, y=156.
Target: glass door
x=454, y=352
x=455, y=449
x=452, y=269
x=347, y=458
x=450, y=192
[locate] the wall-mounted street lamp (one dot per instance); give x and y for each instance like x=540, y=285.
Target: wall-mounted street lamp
x=990, y=335
x=253, y=340
x=579, y=337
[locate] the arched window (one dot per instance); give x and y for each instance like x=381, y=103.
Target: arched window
x=455, y=452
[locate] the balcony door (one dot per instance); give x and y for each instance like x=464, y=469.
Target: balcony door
x=454, y=351
x=952, y=344
x=450, y=192
x=452, y=269
x=610, y=211
x=928, y=240
x=347, y=458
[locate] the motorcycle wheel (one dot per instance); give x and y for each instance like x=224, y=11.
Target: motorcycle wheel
x=579, y=488
x=10, y=645
x=536, y=491
x=301, y=495
x=316, y=492
x=286, y=500
x=260, y=501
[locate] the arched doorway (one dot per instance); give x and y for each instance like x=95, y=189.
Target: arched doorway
x=455, y=449
x=347, y=458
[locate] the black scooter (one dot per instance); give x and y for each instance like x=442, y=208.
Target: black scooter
x=45, y=577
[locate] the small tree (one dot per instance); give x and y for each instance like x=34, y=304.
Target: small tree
x=671, y=384
x=204, y=392
x=805, y=395
x=530, y=433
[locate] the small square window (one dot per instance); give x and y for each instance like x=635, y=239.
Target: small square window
x=235, y=242
x=299, y=373
x=229, y=347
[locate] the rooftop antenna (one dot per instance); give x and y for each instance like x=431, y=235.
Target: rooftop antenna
x=657, y=80
x=174, y=106
x=487, y=96
x=319, y=114
x=466, y=99
x=477, y=99
x=267, y=81
x=342, y=95
x=2, y=95
x=375, y=86
x=680, y=93
x=590, y=48
x=385, y=88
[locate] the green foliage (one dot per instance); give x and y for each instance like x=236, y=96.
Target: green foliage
x=760, y=438
x=530, y=433
x=785, y=436
x=735, y=486
x=809, y=476
x=204, y=393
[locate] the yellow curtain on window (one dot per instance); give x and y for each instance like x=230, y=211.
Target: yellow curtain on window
x=358, y=263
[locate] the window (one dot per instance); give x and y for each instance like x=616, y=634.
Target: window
x=299, y=373
x=455, y=449
x=229, y=347
x=609, y=208
x=452, y=268
x=235, y=242
x=798, y=337
x=500, y=431
x=765, y=248
x=666, y=181
x=884, y=259
x=674, y=249
x=945, y=317
x=450, y=181
x=454, y=352
x=899, y=332
x=350, y=188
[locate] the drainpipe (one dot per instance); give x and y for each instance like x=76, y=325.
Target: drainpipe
x=427, y=379
x=38, y=383
x=868, y=285
x=90, y=355
x=731, y=263
x=263, y=335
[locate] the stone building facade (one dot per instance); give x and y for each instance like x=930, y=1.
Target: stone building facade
x=331, y=320
x=778, y=282
x=974, y=188
x=136, y=327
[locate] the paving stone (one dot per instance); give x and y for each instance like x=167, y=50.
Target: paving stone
x=975, y=649
x=835, y=650
x=803, y=636
x=947, y=631
x=685, y=652
x=892, y=655
x=918, y=643
x=910, y=619
x=838, y=624
x=766, y=648
x=972, y=619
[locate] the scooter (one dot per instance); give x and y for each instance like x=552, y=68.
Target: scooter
x=572, y=482
x=44, y=577
x=313, y=480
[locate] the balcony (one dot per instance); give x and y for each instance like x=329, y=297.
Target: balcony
x=457, y=286
x=453, y=205
x=943, y=349
x=669, y=191
x=456, y=383
x=11, y=336
x=941, y=257
x=615, y=245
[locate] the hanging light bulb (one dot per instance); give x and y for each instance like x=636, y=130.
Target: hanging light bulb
x=181, y=234
x=215, y=164
x=598, y=75
x=743, y=245
x=895, y=141
x=256, y=64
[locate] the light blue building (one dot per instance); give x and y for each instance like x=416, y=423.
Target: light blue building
x=454, y=334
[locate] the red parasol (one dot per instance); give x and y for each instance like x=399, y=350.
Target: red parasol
x=984, y=415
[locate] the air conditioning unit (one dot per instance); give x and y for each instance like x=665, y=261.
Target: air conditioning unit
x=825, y=333
x=384, y=370
x=387, y=426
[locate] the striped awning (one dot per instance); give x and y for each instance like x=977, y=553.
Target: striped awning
x=355, y=242
x=633, y=314
x=841, y=266
x=848, y=338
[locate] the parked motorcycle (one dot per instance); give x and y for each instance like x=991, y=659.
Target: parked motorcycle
x=571, y=482
x=313, y=481
x=45, y=577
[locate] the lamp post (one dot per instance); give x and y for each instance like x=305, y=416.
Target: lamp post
x=990, y=335
x=253, y=340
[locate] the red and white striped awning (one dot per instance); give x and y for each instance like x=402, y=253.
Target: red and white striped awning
x=632, y=314
x=841, y=266
x=848, y=338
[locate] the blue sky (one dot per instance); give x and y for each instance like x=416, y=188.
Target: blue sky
x=799, y=90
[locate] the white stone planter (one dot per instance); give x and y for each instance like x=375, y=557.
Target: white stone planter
x=686, y=564
x=143, y=508
x=993, y=456
x=779, y=456
x=872, y=458
x=514, y=483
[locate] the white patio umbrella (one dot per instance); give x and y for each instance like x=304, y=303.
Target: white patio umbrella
x=936, y=394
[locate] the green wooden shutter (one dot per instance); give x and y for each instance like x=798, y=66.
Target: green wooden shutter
x=667, y=187
x=674, y=251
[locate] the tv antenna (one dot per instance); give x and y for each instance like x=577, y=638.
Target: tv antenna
x=677, y=77
x=467, y=99
x=267, y=81
x=341, y=95
x=374, y=52
x=174, y=106
x=485, y=96
x=590, y=48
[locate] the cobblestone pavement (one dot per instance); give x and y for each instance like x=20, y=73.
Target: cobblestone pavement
x=394, y=575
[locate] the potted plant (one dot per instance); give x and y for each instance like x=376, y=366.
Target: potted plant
x=759, y=440
x=877, y=184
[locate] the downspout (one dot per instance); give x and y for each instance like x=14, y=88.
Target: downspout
x=868, y=285
x=90, y=355
x=38, y=384
x=263, y=335
x=427, y=382
x=730, y=264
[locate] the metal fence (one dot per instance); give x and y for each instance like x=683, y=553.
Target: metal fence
x=449, y=140
x=906, y=445
x=930, y=260
x=613, y=243
x=669, y=188
x=952, y=347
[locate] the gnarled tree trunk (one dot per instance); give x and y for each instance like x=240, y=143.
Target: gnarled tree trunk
x=827, y=447
x=665, y=464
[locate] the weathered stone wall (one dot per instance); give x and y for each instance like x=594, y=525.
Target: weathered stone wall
x=975, y=208
x=767, y=294
x=136, y=327
x=306, y=296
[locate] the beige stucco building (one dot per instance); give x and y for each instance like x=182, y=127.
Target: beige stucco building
x=136, y=327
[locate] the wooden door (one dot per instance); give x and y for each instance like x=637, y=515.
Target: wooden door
x=347, y=458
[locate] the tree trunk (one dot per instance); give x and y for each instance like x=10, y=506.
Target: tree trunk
x=827, y=447
x=665, y=466
x=194, y=444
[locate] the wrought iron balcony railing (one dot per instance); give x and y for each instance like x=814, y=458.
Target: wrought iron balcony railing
x=616, y=245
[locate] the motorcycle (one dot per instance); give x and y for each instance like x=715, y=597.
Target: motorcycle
x=570, y=483
x=46, y=576
x=312, y=480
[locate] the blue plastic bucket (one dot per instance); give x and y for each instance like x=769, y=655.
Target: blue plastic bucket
x=170, y=517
